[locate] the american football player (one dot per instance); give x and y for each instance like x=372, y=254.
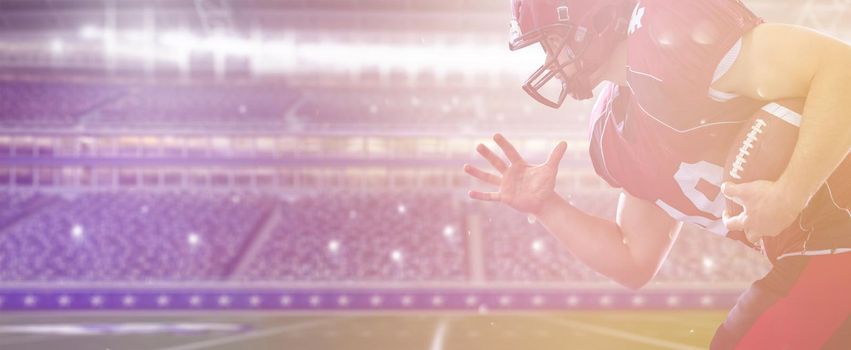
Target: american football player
x=679, y=80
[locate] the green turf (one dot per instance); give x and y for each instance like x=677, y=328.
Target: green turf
x=526, y=331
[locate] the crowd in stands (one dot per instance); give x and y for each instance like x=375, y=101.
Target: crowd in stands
x=51, y=104
x=131, y=237
x=432, y=109
x=365, y=237
x=320, y=237
x=261, y=108
x=251, y=108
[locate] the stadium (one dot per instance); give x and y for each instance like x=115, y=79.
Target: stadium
x=253, y=174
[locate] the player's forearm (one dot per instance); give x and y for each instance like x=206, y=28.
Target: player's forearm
x=824, y=137
x=596, y=242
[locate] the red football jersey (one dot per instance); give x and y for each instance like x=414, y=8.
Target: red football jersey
x=665, y=136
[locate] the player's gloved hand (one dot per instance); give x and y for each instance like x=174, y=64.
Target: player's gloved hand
x=769, y=208
x=522, y=186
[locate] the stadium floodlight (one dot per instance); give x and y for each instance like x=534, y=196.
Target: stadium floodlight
x=708, y=264
x=89, y=32
x=139, y=35
x=193, y=239
x=572, y=300
x=180, y=39
x=285, y=54
x=128, y=300
x=77, y=231
x=673, y=300
x=448, y=231
x=396, y=255
x=334, y=246
x=228, y=45
x=537, y=246
x=57, y=46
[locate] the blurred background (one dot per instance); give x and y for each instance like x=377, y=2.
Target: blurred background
x=287, y=174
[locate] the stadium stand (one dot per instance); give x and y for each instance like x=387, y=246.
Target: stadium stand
x=331, y=237
x=366, y=237
x=51, y=104
x=199, y=107
x=131, y=237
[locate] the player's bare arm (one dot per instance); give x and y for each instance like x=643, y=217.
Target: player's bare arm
x=629, y=250
x=820, y=71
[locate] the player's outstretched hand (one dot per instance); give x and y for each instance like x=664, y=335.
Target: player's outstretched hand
x=522, y=186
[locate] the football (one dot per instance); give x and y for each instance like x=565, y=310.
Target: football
x=764, y=145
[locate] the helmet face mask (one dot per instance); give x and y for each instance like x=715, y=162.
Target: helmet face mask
x=575, y=48
x=562, y=64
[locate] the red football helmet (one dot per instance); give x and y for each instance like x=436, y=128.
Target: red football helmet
x=585, y=30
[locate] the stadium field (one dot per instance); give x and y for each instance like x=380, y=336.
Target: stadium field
x=429, y=331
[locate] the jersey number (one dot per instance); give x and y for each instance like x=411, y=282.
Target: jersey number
x=688, y=176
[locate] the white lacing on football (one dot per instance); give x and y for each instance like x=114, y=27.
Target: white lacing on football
x=744, y=151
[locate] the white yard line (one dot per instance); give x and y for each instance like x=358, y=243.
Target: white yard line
x=439, y=334
x=616, y=333
x=255, y=334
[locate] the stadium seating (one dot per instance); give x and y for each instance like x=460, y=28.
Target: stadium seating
x=430, y=109
x=259, y=108
x=329, y=236
x=245, y=108
x=367, y=237
x=50, y=104
x=131, y=237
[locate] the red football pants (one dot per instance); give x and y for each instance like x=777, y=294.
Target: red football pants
x=804, y=302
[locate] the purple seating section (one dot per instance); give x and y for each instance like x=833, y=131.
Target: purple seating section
x=258, y=108
x=55, y=104
x=327, y=237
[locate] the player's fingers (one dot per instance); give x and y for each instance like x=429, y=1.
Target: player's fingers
x=753, y=236
x=734, y=223
x=492, y=158
x=482, y=175
x=512, y=154
x=733, y=192
x=557, y=154
x=484, y=196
